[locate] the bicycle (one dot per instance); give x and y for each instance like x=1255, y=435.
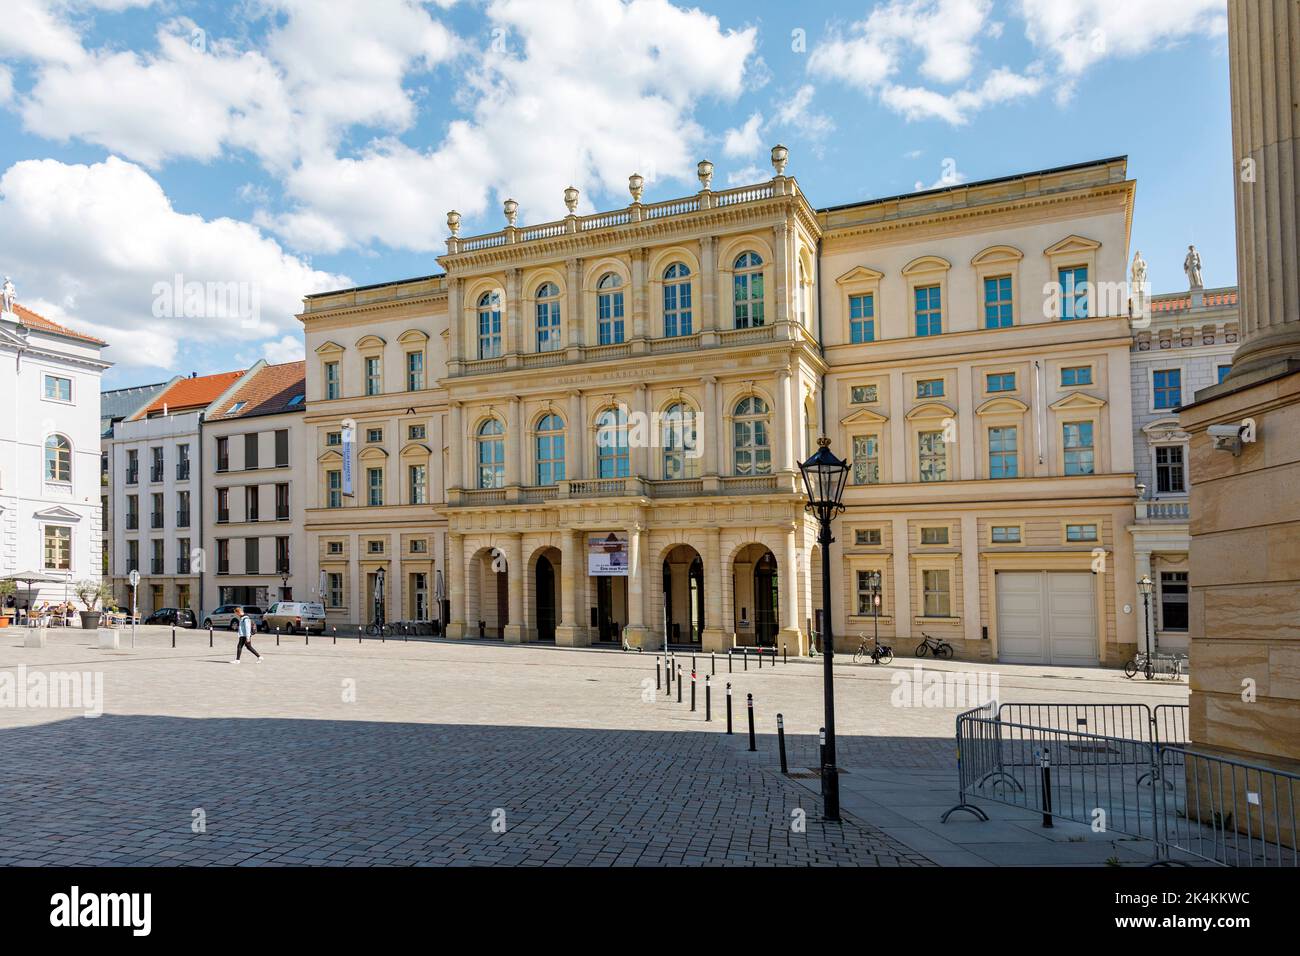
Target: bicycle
x=877, y=654
x=1142, y=661
x=939, y=648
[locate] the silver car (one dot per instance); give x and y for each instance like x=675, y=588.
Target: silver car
x=224, y=617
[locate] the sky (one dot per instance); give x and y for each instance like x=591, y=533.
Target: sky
x=175, y=176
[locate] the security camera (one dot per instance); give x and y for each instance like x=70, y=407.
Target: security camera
x=1227, y=438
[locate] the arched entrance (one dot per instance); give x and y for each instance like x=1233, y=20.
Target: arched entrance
x=487, y=595
x=544, y=581
x=683, y=581
x=766, y=601
x=755, y=587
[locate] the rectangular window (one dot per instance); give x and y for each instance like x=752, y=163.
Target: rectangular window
x=929, y=388
x=416, y=432
x=375, y=487
x=281, y=448
x=335, y=547
x=374, y=435
x=489, y=327
x=334, y=484
x=929, y=311
x=997, y=302
x=1170, y=473
x=677, y=308
x=156, y=515
x=417, y=479
x=1167, y=388
x=1076, y=375
x=58, y=388
x=133, y=465
x=1173, y=600
x=1006, y=534
x=936, y=598
x=132, y=512
x=1080, y=532
x=250, y=452
x=866, y=537
x=373, y=384
x=252, y=553
x=333, y=439
x=419, y=546
x=333, y=387
x=282, y=556
x=870, y=598
x=133, y=555
x=282, y=501
x=375, y=546
x=934, y=535
x=156, y=464
x=1224, y=370
x=414, y=371
x=252, y=498
x=864, y=394
x=182, y=462
x=183, y=559
x=1079, y=450
x=223, y=555
x=223, y=505
x=58, y=547
x=334, y=589
x=156, y=557
x=862, y=318
x=1003, y=459
x=866, y=459
x=933, y=456
x=1074, y=292
x=182, y=509
x=609, y=318
x=1000, y=382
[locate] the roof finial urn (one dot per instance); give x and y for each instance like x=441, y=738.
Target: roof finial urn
x=571, y=199
x=705, y=171
x=511, y=209
x=780, y=156
x=453, y=223
x=636, y=186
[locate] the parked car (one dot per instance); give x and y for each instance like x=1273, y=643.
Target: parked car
x=224, y=616
x=180, y=616
x=295, y=616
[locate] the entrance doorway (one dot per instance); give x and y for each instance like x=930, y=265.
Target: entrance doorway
x=609, y=616
x=766, y=601
x=545, y=590
x=683, y=581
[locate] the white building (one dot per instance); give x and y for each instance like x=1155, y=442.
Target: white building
x=253, y=462
x=155, y=476
x=50, y=516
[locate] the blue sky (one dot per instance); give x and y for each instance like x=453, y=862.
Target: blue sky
x=291, y=146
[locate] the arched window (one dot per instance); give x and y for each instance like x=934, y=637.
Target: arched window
x=801, y=290
x=58, y=459
x=749, y=290
x=609, y=309
x=612, y=457
x=489, y=325
x=677, y=300
x=491, y=454
x=549, y=446
x=750, y=431
x=548, y=317
x=680, y=442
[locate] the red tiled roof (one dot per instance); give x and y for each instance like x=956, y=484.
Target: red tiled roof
x=191, y=393
x=34, y=320
x=268, y=391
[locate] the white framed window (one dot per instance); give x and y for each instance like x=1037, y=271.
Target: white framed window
x=677, y=300
x=679, y=441
x=936, y=592
x=1080, y=454
x=414, y=371
x=1004, y=458
x=864, y=395
x=374, y=375
x=375, y=487
x=871, y=598
x=491, y=454
x=1080, y=532
x=1171, y=471
x=866, y=537
x=548, y=446
x=334, y=589
x=934, y=535
x=613, y=457
x=933, y=456
x=748, y=290
x=548, y=317
x=1005, y=534
x=333, y=384
x=489, y=325
x=58, y=388
x=1073, y=376
x=58, y=547
x=417, y=479
x=58, y=459
x=751, y=442
x=866, y=459
x=609, y=309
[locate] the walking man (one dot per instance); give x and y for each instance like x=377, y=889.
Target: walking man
x=245, y=625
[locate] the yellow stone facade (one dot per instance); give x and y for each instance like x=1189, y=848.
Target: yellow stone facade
x=730, y=315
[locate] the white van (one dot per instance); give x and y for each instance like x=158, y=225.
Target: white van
x=294, y=617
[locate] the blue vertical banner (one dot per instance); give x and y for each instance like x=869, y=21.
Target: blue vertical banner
x=349, y=435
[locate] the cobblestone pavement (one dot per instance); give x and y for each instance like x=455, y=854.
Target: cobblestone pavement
x=407, y=753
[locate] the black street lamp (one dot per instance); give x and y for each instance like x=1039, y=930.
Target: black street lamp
x=824, y=477
x=1146, y=586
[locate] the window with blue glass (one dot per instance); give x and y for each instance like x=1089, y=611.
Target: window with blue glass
x=1080, y=453
x=862, y=318
x=489, y=325
x=491, y=454
x=1223, y=371
x=1167, y=387
x=548, y=317
x=677, y=300
x=748, y=290
x=1002, y=452
x=613, y=459
x=997, y=302
x=549, y=449
x=1075, y=376
x=609, y=309
x=1001, y=381
x=929, y=388
x=1074, y=292
x=929, y=311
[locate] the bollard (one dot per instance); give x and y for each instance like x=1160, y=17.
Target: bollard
x=713, y=664
x=658, y=684
x=668, y=675
x=679, y=683
x=306, y=634
x=1045, y=762
x=277, y=637
x=745, y=654
x=336, y=633
x=780, y=739
x=209, y=635
x=173, y=635
x=729, y=650
x=692, y=662
x=749, y=706
x=708, y=698
x=358, y=634
x=821, y=748
x=760, y=658
x=728, y=707
x=692, y=690
x=785, y=654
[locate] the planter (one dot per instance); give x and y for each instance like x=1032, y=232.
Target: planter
x=4, y=622
x=90, y=620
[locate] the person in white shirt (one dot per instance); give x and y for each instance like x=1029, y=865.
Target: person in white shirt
x=245, y=636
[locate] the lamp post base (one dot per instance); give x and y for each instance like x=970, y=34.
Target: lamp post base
x=831, y=793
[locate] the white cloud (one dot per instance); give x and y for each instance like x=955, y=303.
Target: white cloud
x=797, y=113
x=747, y=176
x=290, y=348
x=744, y=140
x=94, y=241
x=1000, y=86
x=1080, y=33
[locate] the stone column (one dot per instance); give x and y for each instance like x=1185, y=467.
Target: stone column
x=573, y=304
x=636, y=633
x=640, y=451
x=566, y=630
x=514, y=445
x=514, y=343
x=791, y=637
x=573, y=431
x=782, y=268
x=716, y=580
x=456, y=446
x=708, y=285
x=515, y=630
x=1263, y=36
x=784, y=426
x=456, y=593
x=638, y=294
x=709, y=426
x=455, y=322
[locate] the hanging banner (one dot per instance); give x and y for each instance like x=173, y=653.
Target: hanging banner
x=607, y=555
x=348, y=435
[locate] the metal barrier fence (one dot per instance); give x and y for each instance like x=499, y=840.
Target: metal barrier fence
x=1191, y=805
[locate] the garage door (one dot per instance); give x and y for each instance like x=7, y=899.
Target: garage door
x=1046, y=617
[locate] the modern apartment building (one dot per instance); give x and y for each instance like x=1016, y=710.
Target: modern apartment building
x=50, y=509
x=593, y=425
x=254, y=466
x=114, y=406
